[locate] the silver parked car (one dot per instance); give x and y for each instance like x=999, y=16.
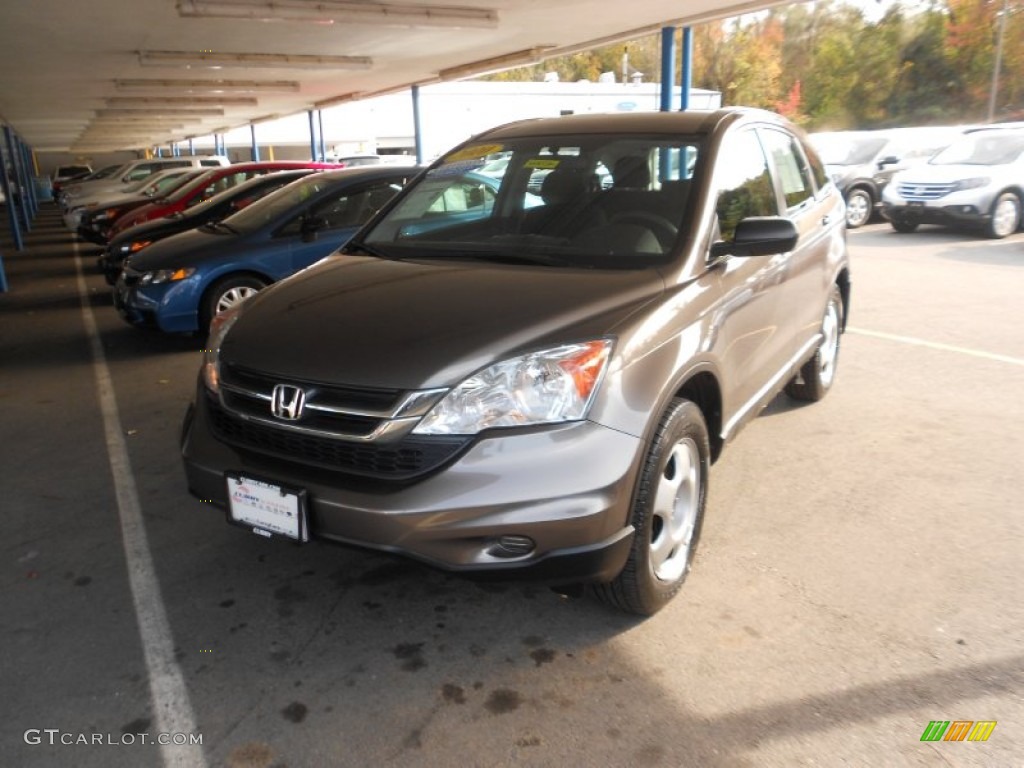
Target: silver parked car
x=536, y=391
x=977, y=182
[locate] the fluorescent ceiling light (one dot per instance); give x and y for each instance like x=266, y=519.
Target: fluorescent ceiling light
x=496, y=64
x=333, y=11
x=210, y=86
x=182, y=101
x=150, y=111
x=209, y=60
x=335, y=100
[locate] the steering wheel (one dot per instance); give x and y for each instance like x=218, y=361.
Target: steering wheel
x=662, y=228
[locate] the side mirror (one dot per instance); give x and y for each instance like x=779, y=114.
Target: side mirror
x=311, y=226
x=759, y=236
x=890, y=160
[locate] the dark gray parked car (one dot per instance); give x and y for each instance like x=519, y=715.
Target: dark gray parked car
x=491, y=385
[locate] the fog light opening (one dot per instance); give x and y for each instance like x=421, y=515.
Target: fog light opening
x=512, y=545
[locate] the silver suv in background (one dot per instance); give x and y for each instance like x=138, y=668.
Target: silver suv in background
x=977, y=183
x=861, y=163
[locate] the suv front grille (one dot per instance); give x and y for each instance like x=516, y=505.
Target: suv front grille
x=406, y=459
x=924, y=191
x=355, y=430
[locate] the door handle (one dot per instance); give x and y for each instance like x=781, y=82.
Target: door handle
x=825, y=220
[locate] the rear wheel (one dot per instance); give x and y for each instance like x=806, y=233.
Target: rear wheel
x=226, y=293
x=859, y=207
x=667, y=513
x=816, y=376
x=1005, y=216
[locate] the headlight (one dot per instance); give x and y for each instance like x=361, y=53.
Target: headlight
x=158, y=276
x=132, y=247
x=977, y=181
x=546, y=387
x=104, y=215
x=219, y=327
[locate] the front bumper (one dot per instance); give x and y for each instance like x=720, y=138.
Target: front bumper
x=169, y=307
x=963, y=207
x=567, y=488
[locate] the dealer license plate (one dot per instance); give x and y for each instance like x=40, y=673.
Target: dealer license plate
x=267, y=508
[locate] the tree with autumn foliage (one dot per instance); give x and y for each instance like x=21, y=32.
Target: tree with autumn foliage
x=826, y=66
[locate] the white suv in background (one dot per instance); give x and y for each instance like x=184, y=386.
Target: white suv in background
x=976, y=182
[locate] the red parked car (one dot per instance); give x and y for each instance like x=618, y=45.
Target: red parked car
x=201, y=189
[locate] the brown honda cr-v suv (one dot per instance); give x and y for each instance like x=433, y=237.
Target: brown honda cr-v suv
x=528, y=371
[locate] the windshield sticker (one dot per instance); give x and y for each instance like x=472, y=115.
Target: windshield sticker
x=473, y=152
x=543, y=163
x=457, y=168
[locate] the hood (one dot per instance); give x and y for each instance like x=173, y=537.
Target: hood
x=370, y=322
x=154, y=230
x=143, y=213
x=943, y=174
x=182, y=250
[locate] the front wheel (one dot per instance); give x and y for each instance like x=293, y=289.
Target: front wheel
x=859, y=207
x=816, y=376
x=1005, y=216
x=667, y=513
x=227, y=293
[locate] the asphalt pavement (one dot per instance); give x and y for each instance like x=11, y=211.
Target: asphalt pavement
x=859, y=574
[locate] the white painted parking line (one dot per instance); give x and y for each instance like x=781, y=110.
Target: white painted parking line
x=172, y=710
x=937, y=345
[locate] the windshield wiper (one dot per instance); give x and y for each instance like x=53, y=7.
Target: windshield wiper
x=219, y=226
x=521, y=257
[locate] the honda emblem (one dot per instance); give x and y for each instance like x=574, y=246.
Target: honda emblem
x=287, y=402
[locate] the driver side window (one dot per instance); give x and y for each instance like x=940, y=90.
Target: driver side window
x=745, y=185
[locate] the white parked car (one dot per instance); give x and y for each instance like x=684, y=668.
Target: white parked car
x=977, y=182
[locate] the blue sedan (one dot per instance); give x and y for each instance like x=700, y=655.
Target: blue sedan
x=179, y=284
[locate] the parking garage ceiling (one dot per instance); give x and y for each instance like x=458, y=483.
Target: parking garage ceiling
x=100, y=75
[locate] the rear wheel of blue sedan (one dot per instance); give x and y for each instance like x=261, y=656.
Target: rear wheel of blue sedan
x=226, y=293
x=667, y=513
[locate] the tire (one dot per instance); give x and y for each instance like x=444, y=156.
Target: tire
x=906, y=227
x=1005, y=216
x=224, y=294
x=859, y=207
x=817, y=375
x=667, y=513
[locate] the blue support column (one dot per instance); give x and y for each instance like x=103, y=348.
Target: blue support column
x=5, y=184
x=30, y=181
x=668, y=67
x=687, y=78
x=159, y=151
x=255, y=148
x=18, y=201
x=312, y=136
x=417, y=126
x=323, y=146
x=191, y=147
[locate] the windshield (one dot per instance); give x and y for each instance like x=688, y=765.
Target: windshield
x=844, y=150
x=278, y=203
x=584, y=201
x=983, y=148
x=248, y=192
x=198, y=182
